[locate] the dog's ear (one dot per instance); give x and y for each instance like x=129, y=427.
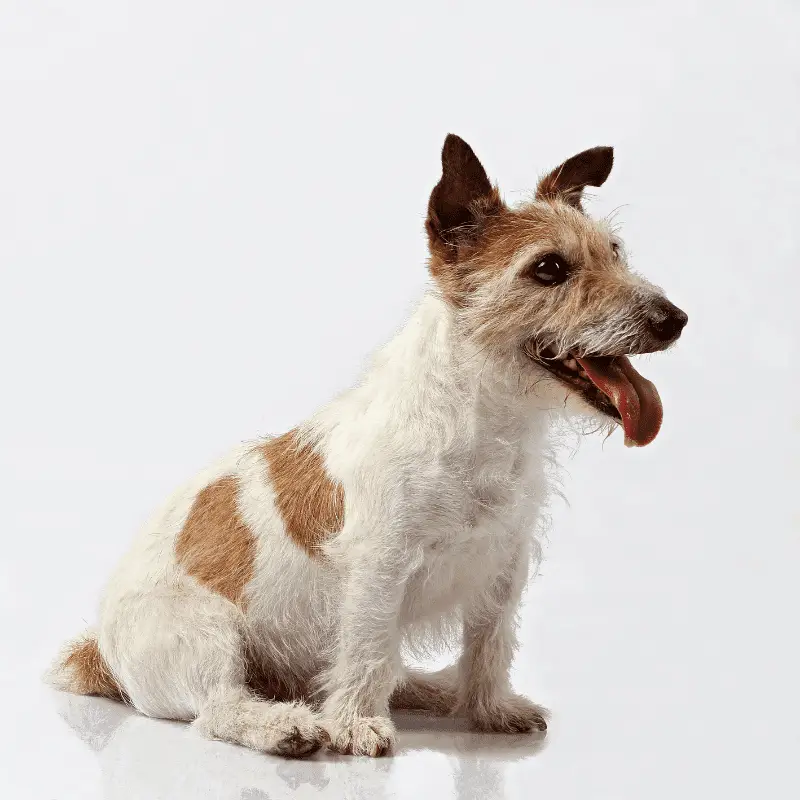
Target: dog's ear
x=462, y=196
x=568, y=180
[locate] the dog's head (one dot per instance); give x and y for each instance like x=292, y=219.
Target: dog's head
x=547, y=282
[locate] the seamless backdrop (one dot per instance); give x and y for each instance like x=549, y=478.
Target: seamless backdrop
x=211, y=212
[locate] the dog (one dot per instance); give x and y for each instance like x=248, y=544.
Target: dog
x=269, y=601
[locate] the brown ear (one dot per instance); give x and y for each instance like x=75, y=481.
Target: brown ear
x=461, y=197
x=567, y=181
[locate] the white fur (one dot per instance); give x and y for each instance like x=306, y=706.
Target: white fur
x=443, y=461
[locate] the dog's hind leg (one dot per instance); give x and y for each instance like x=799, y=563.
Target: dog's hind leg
x=433, y=693
x=181, y=654
x=285, y=729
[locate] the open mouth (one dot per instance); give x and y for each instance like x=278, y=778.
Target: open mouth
x=611, y=385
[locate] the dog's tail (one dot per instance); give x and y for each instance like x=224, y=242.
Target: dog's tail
x=81, y=669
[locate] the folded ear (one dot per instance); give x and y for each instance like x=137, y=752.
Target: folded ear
x=568, y=180
x=461, y=197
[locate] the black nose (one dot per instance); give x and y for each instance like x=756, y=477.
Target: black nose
x=667, y=321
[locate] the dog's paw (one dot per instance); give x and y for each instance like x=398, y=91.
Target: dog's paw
x=363, y=736
x=291, y=730
x=297, y=741
x=511, y=714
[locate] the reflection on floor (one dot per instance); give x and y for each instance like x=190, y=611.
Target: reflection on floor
x=145, y=758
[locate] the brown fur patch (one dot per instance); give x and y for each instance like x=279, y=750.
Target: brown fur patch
x=89, y=672
x=311, y=504
x=599, y=284
x=473, y=235
x=215, y=546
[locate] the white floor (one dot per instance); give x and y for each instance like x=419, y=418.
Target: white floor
x=649, y=701
x=212, y=211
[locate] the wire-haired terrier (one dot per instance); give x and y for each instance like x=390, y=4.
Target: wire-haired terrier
x=270, y=598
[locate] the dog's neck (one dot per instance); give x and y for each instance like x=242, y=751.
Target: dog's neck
x=431, y=378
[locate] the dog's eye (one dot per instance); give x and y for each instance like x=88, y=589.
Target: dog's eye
x=550, y=270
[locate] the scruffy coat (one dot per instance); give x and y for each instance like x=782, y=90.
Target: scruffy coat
x=269, y=600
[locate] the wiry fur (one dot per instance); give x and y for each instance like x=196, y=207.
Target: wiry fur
x=605, y=308
x=441, y=458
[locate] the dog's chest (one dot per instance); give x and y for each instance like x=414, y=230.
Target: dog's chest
x=483, y=505
x=487, y=474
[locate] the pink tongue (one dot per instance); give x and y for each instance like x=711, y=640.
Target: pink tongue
x=635, y=397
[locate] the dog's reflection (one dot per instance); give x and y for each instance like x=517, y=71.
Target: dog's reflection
x=154, y=759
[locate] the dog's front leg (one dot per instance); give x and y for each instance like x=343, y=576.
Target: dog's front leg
x=484, y=667
x=367, y=664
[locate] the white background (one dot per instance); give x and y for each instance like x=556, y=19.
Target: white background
x=210, y=212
